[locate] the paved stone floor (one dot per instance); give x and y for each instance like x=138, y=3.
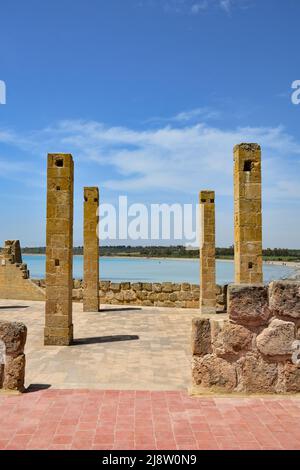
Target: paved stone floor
x=98, y=419
x=117, y=348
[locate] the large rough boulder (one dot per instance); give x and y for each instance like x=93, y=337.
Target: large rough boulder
x=230, y=339
x=248, y=304
x=201, y=336
x=277, y=339
x=291, y=375
x=256, y=375
x=213, y=372
x=285, y=298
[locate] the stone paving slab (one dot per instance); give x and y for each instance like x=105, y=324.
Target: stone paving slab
x=117, y=348
x=98, y=419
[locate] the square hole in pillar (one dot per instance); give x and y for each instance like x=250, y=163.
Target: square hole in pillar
x=250, y=265
x=248, y=165
x=57, y=188
x=57, y=262
x=95, y=199
x=59, y=162
x=203, y=200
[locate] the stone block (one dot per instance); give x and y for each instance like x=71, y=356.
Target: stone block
x=248, y=304
x=156, y=287
x=230, y=339
x=14, y=373
x=277, y=339
x=14, y=335
x=147, y=286
x=213, y=372
x=185, y=286
x=285, y=298
x=167, y=287
x=201, y=336
x=291, y=375
x=257, y=375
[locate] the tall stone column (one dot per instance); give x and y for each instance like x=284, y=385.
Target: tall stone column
x=207, y=253
x=91, y=250
x=247, y=214
x=59, y=250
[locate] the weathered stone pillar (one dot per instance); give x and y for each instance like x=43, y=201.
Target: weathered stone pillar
x=247, y=214
x=59, y=250
x=207, y=253
x=91, y=250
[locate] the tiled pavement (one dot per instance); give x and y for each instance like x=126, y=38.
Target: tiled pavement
x=98, y=419
x=119, y=348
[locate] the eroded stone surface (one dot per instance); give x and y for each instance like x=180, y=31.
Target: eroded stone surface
x=229, y=338
x=14, y=375
x=248, y=304
x=213, y=372
x=257, y=375
x=14, y=335
x=285, y=298
x=277, y=339
x=201, y=336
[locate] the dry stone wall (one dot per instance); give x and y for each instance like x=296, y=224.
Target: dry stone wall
x=256, y=347
x=166, y=294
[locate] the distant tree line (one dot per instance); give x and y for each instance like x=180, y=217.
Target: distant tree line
x=280, y=254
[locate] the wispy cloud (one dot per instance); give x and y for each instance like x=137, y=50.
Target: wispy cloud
x=195, y=7
x=170, y=158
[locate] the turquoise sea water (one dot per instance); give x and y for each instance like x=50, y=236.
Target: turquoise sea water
x=152, y=270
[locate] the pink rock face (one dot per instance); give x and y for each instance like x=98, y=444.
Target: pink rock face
x=201, y=336
x=213, y=372
x=277, y=339
x=256, y=374
x=248, y=304
x=285, y=298
x=230, y=339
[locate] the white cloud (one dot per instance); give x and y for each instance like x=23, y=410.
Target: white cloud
x=170, y=158
x=196, y=7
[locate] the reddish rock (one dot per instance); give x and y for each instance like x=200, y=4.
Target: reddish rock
x=292, y=378
x=248, y=304
x=277, y=339
x=201, y=336
x=213, y=372
x=285, y=298
x=256, y=375
x=230, y=339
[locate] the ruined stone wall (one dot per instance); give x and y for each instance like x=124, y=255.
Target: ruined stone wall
x=166, y=294
x=12, y=358
x=253, y=349
x=15, y=280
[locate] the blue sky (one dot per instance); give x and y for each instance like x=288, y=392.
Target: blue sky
x=150, y=96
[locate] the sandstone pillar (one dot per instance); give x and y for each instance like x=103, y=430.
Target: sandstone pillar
x=91, y=250
x=207, y=253
x=59, y=250
x=247, y=214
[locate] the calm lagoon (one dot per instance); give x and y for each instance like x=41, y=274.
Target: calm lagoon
x=153, y=270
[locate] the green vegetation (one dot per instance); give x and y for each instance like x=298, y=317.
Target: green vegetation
x=276, y=254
